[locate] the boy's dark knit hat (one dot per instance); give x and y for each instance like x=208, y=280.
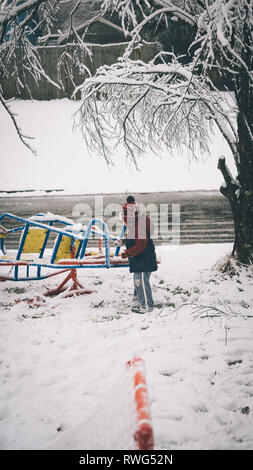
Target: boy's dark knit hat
x=130, y=199
x=129, y=208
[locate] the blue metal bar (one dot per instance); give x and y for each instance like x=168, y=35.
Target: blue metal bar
x=16, y=229
x=121, y=236
x=53, y=229
x=78, y=250
x=2, y=248
x=44, y=247
x=82, y=267
x=57, y=244
x=85, y=241
x=45, y=241
x=38, y=224
x=22, y=241
x=107, y=247
x=104, y=235
x=21, y=245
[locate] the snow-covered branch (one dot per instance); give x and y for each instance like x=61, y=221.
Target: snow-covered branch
x=24, y=139
x=137, y=15
x=15, y=8
x=167, y=102
x=221, y=29
x=155, y=105
x=20, y=28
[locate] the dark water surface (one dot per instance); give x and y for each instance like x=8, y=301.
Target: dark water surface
x=205, y=216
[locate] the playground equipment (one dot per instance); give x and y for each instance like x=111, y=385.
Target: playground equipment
x=33, y=260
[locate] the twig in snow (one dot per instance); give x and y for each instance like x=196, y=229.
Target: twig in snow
x=205, y=311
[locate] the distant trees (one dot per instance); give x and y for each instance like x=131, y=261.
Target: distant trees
x=172, y=102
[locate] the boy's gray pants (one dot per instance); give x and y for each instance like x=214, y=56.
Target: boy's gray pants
x=142, y=290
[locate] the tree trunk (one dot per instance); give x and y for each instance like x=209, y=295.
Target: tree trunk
x=243, y=244
x=239, y=192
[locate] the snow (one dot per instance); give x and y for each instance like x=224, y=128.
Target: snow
x=49, y=216
x=63, y=161
x=64, y=382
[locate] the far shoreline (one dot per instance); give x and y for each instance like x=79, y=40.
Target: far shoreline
x=69, y=193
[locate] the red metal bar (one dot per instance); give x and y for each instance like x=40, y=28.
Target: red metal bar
x=75, y=289
x=15, y=263
x=97, y=260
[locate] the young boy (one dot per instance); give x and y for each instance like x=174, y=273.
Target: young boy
x=140, y=251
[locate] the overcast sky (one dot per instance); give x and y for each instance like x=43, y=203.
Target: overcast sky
x=63, y=161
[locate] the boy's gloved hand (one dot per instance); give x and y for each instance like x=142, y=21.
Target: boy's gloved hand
x=118, y=243
x=124, y=254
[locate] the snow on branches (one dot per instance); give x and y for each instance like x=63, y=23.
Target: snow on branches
x=155, y=105
x=165, y=102
x=220, y=38
x=218, y=24
x=21, y=23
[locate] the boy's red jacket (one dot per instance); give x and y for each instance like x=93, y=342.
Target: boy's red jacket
x=140, y=229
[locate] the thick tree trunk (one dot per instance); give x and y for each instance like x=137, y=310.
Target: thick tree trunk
x=240, y=195
x=239, y=191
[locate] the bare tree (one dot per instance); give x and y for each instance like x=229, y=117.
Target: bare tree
x=172, y=104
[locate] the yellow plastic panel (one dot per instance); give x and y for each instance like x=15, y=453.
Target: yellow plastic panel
x=64, y=250
x=34, y=240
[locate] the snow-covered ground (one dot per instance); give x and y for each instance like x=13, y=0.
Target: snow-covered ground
x=64, y=383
